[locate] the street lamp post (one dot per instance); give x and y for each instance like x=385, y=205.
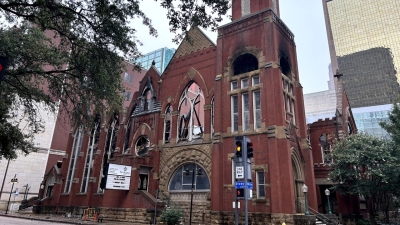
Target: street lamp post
x=194, y=174
x=327, y=193
x=13, y=181
x=305, y=189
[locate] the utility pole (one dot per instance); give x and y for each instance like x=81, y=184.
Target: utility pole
x=4, y=178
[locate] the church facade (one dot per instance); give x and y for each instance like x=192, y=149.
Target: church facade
x=179, y=133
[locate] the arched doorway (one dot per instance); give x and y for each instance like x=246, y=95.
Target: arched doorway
x=298, y=180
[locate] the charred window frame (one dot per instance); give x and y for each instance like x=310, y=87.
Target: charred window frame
x=167, y=124
x=288, y=99
x=128, y=133
x=109, y=149
x=92, y=149
x=191, y=113
x=76, y=148
x=142, y=146
x=245, y=69
x=326, y=148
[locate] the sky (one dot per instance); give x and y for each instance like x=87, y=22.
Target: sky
x=304, y=18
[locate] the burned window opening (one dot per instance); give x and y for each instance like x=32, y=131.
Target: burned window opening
x=245, y=63
x=285, y=66
x=109, y=149
x=191, y=113
x=167, y=125
x=142, y=146
x=92, y=149
x=128, y=132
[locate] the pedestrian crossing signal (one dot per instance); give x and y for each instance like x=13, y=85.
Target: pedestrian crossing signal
x=240, y=192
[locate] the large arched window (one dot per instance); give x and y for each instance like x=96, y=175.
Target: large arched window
x=147, y=101
x=92, y=149
x=142, y=146
x=167, y=124
x=245, y=94
x=182, y=178
x=191, y=113
x=109, y=149
x=76, y=148
x=245, y=63
x=128, y=132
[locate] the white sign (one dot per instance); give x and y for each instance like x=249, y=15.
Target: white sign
x=239, y=172
x=118, y=182
x=119, y=170
x=119, y=177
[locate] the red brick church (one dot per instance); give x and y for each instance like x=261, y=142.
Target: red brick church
x=184, y=120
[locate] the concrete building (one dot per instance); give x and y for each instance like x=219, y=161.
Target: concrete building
x=161, y=58
x=365, y=48
x=186, y=119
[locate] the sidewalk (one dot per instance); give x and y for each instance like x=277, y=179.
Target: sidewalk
x=61, y=219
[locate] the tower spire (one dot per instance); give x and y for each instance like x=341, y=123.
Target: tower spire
x=241, y=8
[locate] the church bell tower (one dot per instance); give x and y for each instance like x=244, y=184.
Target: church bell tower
x=261, y=97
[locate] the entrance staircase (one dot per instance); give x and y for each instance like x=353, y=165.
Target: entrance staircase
x=324, y=219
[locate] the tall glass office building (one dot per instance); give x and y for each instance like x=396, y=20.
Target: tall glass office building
x=161, y=57
x=364, y=44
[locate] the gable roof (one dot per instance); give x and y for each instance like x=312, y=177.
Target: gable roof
x=198, y=41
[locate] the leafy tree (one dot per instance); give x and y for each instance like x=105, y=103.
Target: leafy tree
x=392, y=126
x=171, y=216
x=367, y=166
x=76, y=64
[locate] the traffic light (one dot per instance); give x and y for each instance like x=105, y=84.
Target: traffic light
x=249, y=149
x=240, y=192
x=3, y=66
x=239, y=149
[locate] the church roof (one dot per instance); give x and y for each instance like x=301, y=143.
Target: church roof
x=198, y=41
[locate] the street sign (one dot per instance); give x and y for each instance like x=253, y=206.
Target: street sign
x=239, y=184
x=239, y=172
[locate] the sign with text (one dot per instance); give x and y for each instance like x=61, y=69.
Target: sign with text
x=118, y=182
x=119, y=170
x=118, y=177
x=239, y=172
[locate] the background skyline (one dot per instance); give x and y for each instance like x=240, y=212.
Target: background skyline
x=304, y=18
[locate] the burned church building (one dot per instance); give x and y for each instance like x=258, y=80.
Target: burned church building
x=179, y=132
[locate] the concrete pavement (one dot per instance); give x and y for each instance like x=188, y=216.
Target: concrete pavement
x=60, y=219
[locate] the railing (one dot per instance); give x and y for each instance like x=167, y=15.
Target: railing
x=321, y=217
x=28, y=203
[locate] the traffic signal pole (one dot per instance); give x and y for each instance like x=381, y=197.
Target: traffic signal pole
x=242, y=171
x=246, y=189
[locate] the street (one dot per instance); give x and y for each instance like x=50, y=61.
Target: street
x=16, y=221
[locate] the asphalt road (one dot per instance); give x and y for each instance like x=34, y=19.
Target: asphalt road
x=16, y=221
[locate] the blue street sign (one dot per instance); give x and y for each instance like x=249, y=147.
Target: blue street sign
x=239, y=184
x=244, y=184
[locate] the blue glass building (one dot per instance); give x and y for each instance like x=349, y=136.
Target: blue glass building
x=160, y=56
x=368, y=119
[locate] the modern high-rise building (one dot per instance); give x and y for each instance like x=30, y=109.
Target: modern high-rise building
x=364, y=46
x=161, y=58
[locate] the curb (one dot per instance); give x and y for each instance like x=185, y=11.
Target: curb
x=48, y=220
